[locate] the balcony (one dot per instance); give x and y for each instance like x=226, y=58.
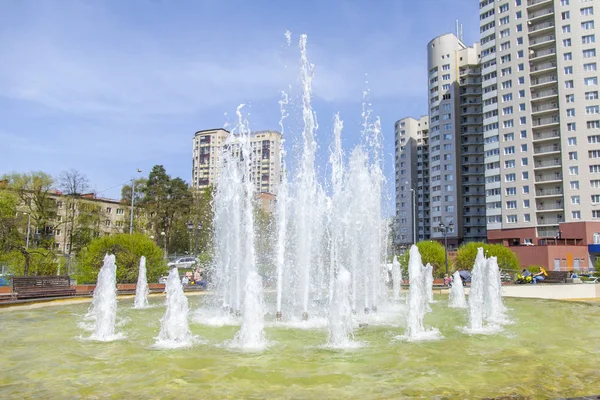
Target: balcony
x=543, y=108
x=547, y=232
x=538, y=15
x=470, y=92
x=539, y=68
x=549, y=221
x=470, y=101
x=539, y=122
x=548, y=135
x=544, y=94
x=546, y=149
x=540, y=27
x=470, y=82
x=540, y=40
x=547, y=207
x=556, y=177
x=471, y=121
x=557, y=192
x=538, y=3
x=546, y=80
x=540, y=54
x=548, y=163
x=467, y=72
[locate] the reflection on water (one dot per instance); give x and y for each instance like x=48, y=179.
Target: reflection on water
x=551, y=351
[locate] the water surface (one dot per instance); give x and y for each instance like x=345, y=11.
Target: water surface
x=551, y=351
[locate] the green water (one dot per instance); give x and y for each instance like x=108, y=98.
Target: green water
x=553, y=350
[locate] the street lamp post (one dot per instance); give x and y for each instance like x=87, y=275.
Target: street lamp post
x=414, y=206
x=132, y=202
x=444, y=229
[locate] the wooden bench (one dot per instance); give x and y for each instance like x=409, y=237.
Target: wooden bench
x=556, y=277
x=30, y=287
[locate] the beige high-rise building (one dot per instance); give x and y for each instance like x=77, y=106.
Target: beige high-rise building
x=541, y=114
x=541, y=121
x=266, y=165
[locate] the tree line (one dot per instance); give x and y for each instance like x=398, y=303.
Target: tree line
x=34, y=207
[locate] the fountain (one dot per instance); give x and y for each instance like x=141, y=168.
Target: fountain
x=251, y=335
x=477, y=293
x=417, y=301
x=494, y=308
x=457, y=298
x=174, y=328
x=103, y=310
x=485, y=297
x=340, y=330
x=281, y=211
x=428, y=276
x=341, y=272
x=396, y=279
x=141, y=289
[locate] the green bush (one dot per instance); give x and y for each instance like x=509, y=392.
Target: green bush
x=431, y=252
x=465, y=256
x=127, y=250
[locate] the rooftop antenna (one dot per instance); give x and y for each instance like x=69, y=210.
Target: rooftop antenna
x=461, y=32
x=457, y=32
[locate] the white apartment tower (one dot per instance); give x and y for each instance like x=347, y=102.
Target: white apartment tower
x=266, y=165
x=541, y=121
x=412, y=180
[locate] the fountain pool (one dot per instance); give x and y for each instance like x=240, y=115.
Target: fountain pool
x=42, y=356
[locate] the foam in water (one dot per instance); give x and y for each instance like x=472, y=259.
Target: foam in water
x=485, y=297
x=416, y=302
x=340, y=313
x=141, y=289
x=457, y=298
x=429, y=283
x=251, y=335
x=494, y=310
x=396, y=279
x=174, y=327
x=103, y=310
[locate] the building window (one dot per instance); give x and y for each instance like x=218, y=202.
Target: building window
x=576, y=214
x=587, y=25
x=511, y=219
x=575, y=200
x=574, y=171
x=120, y=211
x=108, y=210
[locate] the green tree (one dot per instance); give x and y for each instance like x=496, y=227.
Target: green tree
x=432, y=252
x=34, y=191
x=25, y=202
x=167, y=201
x=465, y=256
x=79, y=218
x=127, y=250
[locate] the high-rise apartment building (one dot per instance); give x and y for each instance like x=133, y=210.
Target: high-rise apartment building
x=520, y=111
x=441, y=156
x=541, y=116
x=455, y=140
x=266, y=166
x=412, y=180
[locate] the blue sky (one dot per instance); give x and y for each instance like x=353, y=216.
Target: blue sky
x=107, y=87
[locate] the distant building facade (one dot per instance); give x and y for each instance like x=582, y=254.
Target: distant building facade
x=207, y=152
